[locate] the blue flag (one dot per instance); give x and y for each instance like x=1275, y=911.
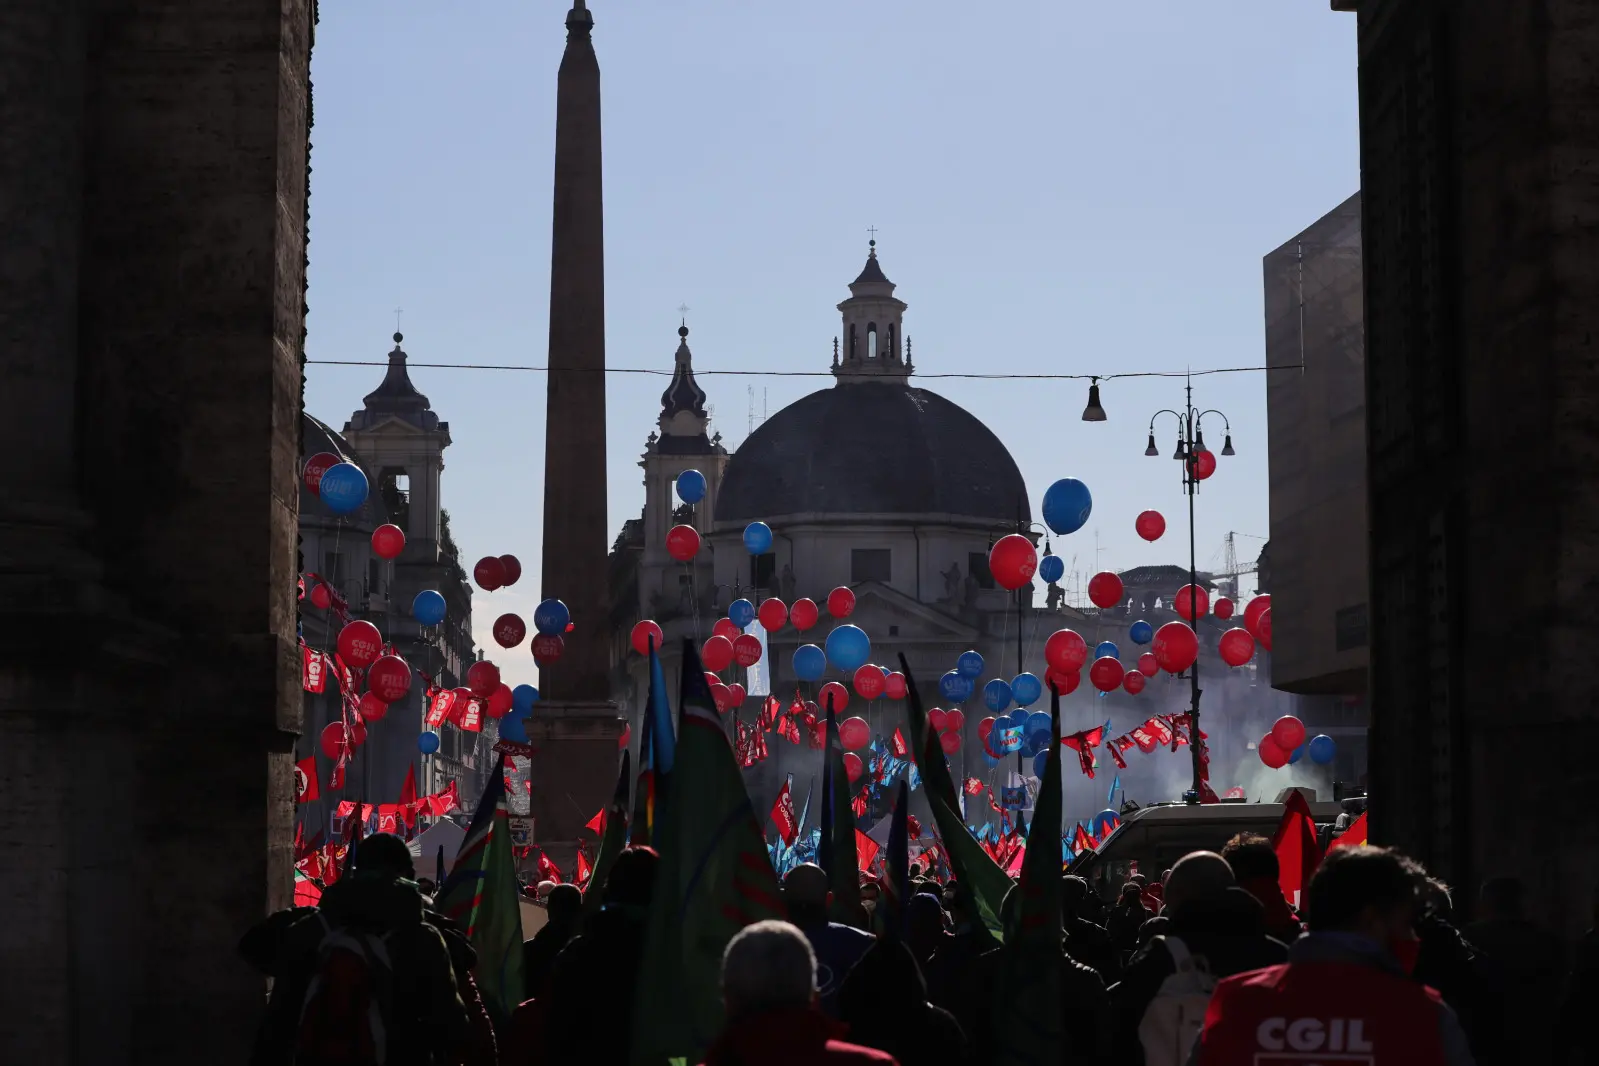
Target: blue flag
x=1010, y=739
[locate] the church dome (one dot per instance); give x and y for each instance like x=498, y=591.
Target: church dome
x=873, y=448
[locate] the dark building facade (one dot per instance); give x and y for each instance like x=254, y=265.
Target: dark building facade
x=1480, y=187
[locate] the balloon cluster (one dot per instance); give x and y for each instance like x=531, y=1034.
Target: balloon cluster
x=1286, y=743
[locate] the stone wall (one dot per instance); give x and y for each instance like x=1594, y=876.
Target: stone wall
x=153, y=202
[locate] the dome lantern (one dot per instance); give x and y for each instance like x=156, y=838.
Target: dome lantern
x=873, y=329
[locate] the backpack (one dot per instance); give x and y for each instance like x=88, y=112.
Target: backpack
x=346, y=1000
x=1172, y=1022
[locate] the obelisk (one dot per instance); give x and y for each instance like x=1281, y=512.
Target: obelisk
x=574, y=728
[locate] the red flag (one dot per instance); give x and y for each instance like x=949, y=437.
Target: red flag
x=771, y=710
x=305, y=782
x=313, y=670
x=596, y=824
x=441, y=708
x=627, y=734
x=584, y=871
x=783, y=815
x=446, y=801
x=408, y=790
x=913, y=827
x=1206, y=793
x=858, y=804
x=1082, y=841
x=897, y=744
x=1146, y=743
x=1298, y=854
x=865, y=850
x=1354, y=836
x=1159, y=730
x=471, y=716
x=1083, y=743
x=1115, y=753
x=388, y=817
x=974, y=787
x=1235, y=793
x=547, y=869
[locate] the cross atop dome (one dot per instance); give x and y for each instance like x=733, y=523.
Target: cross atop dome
x=873, y=326
x=684, y=419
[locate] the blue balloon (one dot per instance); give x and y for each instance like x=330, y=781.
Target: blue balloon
x=1040, y=761
x=758, y=538
x=741, y=613
x=1025, y=689
x=1017, y=720
x=513, y=727
x=427, y=743
x=810, y=662
x=955, y=688
x=343, y=488
x=1141, y=632
x=1107, y=647
x=1297, y=754
x=523, y=697
x=1067, y=505
x=691, y=486
x=1051, y=568
x=970, y=664
x=551, y=617
x=1322, y=749
x=1031, y=746
x=996, y=695
x=428, y=607
x=1037, y=722
x=848, y=648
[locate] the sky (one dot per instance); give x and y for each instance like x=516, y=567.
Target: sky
x=1056, y=188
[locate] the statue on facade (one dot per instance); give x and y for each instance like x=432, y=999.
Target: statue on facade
x=952, y=584
x=785, y=583
x=1054, y=596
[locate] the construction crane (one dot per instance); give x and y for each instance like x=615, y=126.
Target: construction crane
x=1227, y=577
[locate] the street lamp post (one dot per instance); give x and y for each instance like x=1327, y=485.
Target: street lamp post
x=1190, y=444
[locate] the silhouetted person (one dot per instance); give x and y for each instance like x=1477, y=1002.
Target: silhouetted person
x=924, y=927
x=884, y=1002
x=1086, y=941
x=836, y=946
x=564, y=910
x=1255, y=865
x=1127, y=917
x=948, y=971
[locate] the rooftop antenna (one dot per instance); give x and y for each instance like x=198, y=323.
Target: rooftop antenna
x=750, y=424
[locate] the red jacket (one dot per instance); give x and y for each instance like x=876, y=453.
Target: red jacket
x=789, y=1038
x=1289, y=1014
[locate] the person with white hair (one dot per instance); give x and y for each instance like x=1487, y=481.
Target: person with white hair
x=769, y=990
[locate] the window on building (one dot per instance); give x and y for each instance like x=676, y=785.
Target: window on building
x=871, y=340
x=977, y=566
x=373, y=575
x=871, y=564
x=394, y=488
x=766, y=572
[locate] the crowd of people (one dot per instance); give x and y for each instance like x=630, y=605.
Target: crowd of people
x=1212, y=966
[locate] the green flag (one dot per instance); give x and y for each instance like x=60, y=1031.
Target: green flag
x=614, y=839
x=835, y=852
x=714, y=878
x=481, y=896
x=978, y=878
x=1031, y=960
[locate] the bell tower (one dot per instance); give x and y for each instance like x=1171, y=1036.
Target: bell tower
x=873, y=348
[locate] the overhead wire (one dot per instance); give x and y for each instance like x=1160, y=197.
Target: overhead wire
x=666, y=373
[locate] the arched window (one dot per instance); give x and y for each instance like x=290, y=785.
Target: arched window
x=871, y=340
x=852, y=353
x=893, y=341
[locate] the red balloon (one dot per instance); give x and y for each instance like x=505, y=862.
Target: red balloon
x=482, y=677
x=1013, y=561
x=954, y=719
x=1272, y=753
x=724, y=627
x=1288, y=732
x=489, y=573
x=1065, y=650
x=1253, y=610
x=711, y=679
x=1222, y=608
x=804, y=614
x=840, y=602
x=1236, y=646
x=321, y=595
x=985, y=726
x=1175, y=647
x=1065, y=681
x=935, y=719
x=389, y=679
x=1263, y=628
x=388, y=541
x=1190, y=602
x=1134, y=681
x=643, y=632
x=894, y=686
x=813, y=709
x=499, y=701
x=547, y=648
x=772, y=613
x=853, y=765
x=372, y=706
x=854, y=733
x=1150, y=525
x=736, y=692
x=839, y=695
x=722, y=696
x=682, y=543
x=1106, y=674
x=509, y=630
x=360, y=643
x=747, y=650
x=1148, y=664
x=1105, y=589
x=950, y=742
x=333, y=739
x=1204, y=465
x=315, y=467
x=869, y=682
x=513, y=569
x=717, y=654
